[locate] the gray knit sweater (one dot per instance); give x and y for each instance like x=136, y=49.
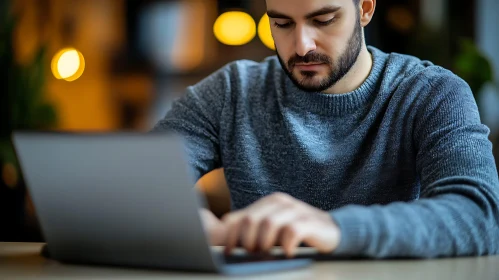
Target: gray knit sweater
x=403, y=163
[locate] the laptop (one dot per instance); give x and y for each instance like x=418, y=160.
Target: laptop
x=124, y=199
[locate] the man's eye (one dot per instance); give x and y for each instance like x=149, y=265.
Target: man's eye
x=282, y=25
x=324, y=23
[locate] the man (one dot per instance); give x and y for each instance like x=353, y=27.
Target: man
x=341, y=146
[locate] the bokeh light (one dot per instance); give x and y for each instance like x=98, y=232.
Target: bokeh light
x=68, y=64
x=9, y=175
x=401, y=19
x=234, y=28
x=264, y=32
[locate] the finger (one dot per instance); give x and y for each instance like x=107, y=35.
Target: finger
x=272, y=225
x=231, y=223
x=232, y=237
x=324, y=236
x=252, y=223
x=260, y=208
x=245, y=222
x=292, y=235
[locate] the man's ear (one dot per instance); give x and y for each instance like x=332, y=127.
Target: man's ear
x=366, y=10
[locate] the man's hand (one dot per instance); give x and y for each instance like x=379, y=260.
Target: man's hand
x=214, y=228
x=280, y=219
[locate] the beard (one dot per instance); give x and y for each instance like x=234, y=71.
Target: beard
x=337, y=69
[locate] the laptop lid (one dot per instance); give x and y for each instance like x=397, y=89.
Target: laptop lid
x=119, y=199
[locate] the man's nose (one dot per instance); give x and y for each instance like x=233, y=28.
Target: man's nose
x=305, y=41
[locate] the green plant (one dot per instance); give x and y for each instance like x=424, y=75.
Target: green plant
x=22, y=107
x=473, y=66
x=22, y=104
x=458, y=53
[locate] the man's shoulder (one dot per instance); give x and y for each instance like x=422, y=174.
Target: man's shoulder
x=406, y=69
x=239, y=73
x=240, y=77
x=246, y=68
x=418, y=69
x=424, y=84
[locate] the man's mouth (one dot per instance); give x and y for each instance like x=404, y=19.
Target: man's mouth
x=309, y=66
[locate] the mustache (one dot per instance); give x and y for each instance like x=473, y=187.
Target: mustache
x=309, y=58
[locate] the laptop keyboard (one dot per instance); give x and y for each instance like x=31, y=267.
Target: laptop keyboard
x=233, y=259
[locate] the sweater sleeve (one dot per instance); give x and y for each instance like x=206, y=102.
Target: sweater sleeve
x=195, y=116
x=457, y=212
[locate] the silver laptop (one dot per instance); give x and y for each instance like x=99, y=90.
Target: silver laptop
x=124, y=199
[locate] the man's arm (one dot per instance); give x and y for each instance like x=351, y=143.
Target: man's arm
x=457, y=213
x=196, y=117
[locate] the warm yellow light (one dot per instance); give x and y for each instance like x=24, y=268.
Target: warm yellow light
x=68, y=64
x=9, y=175
x=264, y=32
x=234, y=28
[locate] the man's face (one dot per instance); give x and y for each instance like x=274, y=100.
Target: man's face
x=317, y=41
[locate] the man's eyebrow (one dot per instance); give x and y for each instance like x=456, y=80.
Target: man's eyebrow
x=274, y=14
x=323, y=11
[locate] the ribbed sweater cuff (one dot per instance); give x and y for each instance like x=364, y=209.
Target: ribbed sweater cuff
x=355, y=235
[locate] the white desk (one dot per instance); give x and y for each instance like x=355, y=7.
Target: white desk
x=23, y=261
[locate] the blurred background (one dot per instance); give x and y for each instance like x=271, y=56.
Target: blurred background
x=115, y=65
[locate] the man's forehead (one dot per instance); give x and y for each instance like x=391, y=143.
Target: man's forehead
x=299, y=8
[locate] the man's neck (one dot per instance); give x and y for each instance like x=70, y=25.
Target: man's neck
x=356, y=76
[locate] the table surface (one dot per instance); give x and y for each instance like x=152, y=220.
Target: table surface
x=23, y=261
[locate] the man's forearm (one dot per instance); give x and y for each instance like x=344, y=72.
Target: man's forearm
x=447, y=225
